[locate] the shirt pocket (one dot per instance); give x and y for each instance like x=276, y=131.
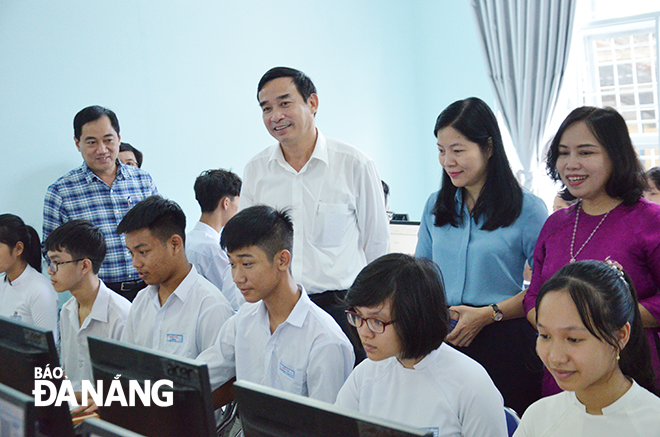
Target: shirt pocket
x=290, y=378
x=330, y=224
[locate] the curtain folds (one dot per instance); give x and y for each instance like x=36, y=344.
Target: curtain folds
x=526, y=45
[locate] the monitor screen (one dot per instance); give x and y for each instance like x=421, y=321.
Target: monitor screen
x=24, y=348
x=191, y=409
x=101, y=428
x=267, y=412
x=17, y=414
x=403, y=237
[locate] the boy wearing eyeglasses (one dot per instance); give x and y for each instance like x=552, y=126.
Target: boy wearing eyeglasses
x=76, y=250
x=279, y=338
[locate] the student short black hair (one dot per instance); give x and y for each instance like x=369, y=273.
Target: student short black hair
x=303, y=83
x=416, y=291
x=125, y=147
x=628, y=180
x=653, y=176
x=163, y=217
x=80, y=239
x=269, y=229
x=213, y=185
x=386, y=190
x=93, y=113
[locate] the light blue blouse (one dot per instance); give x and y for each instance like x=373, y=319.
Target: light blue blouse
x=481, y=267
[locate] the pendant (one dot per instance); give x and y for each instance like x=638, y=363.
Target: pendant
x=572, y=260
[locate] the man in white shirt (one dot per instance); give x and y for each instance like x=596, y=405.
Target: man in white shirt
x=76, y=251
x=332, y=189
x=180, y=312
x=279, y=338
x=217, y=192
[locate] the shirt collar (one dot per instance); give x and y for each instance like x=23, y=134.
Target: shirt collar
x=207, y=230
x=182, y=291
x=21, y=278
x=90, y=175
x=100, y=307
x=320, y=153
x=299, y=312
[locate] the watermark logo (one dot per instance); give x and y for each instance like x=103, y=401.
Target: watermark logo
x=47, y=393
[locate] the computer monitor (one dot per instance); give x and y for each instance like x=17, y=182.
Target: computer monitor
x=267, y=412
x=403, y=237
x=23, y=348
x=191, y=412
x=17, y=413
x=101, y=428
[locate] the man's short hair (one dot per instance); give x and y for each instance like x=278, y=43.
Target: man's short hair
x=93, y=113
x=303, y=83
x=125, y=147
x=213, y=185
x=163, y=217
x=80, y=239
x=262, y=226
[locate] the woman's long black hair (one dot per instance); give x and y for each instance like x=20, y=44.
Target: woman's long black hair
x=500, y=199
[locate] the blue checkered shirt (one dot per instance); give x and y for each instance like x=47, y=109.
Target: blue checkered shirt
x=80, y=194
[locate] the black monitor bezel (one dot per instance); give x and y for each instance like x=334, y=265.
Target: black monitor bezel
x=22, y=338
x=303, y=413
x=104, y=353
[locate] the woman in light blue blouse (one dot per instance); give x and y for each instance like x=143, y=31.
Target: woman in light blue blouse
x=480, y=228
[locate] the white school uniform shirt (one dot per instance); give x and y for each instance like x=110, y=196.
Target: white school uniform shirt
x=337, y=206
x=31, y=299
x=447, y=393
x=107, y=319
x=203, y=250
x=635, y=414
x=185, y=325
x=308, y=354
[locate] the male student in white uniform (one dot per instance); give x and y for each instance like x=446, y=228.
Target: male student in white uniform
x=180, y=312
x=75, y=253
x=332, y=189
x=217, y=192
x=279, y=338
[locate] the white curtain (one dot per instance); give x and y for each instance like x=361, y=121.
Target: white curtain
x=526, y=45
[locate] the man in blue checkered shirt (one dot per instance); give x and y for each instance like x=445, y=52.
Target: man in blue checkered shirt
x=101, y=190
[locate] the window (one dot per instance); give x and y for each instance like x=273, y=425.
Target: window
x=621, y=71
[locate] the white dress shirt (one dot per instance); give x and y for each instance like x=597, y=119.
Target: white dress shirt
x=447, y=392
x=31, y=299
x=185, y=325
x=204, y=252
x=107, y=319
x=308, y=354
x=337, y=205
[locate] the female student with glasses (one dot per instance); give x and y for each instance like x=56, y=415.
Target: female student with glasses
x=398, y=307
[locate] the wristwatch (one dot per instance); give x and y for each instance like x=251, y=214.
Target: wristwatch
x=497, y=313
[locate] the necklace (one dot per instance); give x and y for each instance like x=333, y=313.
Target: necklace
x=577, y=217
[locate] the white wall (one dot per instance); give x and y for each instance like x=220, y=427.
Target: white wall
x=182, y=78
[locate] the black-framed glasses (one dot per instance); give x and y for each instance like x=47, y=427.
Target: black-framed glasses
x=55, y=265
x=376, y=326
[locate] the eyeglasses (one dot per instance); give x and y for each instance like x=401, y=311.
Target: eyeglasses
x=55, y=265
x=390, y=214
x=376, y=326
